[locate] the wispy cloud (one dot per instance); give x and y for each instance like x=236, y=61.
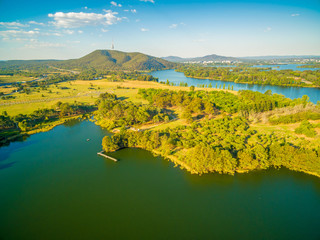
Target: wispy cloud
x=295, y=14
x=268, y=29
x=7, y=39
x=13, y=24
x=79, y=19
x=104, y=30
x=133, y=10
x=152, y=1
x=173, y=26
x=115, y=4
x=18, y=33
x=36, y=23
x=176, y=25
x=144, y=30
x=69, y=32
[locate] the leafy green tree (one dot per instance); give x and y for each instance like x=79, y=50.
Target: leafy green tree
x=23, y=125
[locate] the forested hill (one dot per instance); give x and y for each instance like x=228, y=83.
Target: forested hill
x=116, y=60
x=99, y=59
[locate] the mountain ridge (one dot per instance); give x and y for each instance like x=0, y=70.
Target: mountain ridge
x=214, y=57
x=101, y=59
x=207, y=58
x=118, y=60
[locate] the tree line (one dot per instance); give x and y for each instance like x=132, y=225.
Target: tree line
x=113, y=112
x=224, y=145
x=13, y=125
x=251, y=75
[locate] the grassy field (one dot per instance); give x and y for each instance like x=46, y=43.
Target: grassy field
x=287, y=131
x=11, y=79
x=81, y=91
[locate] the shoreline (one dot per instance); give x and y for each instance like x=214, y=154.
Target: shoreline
x=211, y=79
x=46, y=128
x=184, y=166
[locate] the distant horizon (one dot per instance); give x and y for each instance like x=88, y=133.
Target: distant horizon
x=262, y=56
x=70, y=29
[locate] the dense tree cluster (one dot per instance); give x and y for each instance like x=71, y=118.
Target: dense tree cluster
x=254, y=75
x=245, y=102
x=257, y=102
x=225, y=145
x=118, y=113
x=194, y=102
x=114, y=76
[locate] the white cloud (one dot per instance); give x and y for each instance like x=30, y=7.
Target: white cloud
x=133, y=10
x=176, y=25
x=6, y=39
x=295, y=14
x=268, y=29
x=80, y=31
x=75, y=20
x=86, y=7
x=115, y=4
x=13, y=24
x=104, y=30
x=152, y=1
x=36, y=23
x=126, y=10
x=18, y=33
x=57, y=34
x=70, y=32
x=54, y=34
x=173, y=26
x=144, y=30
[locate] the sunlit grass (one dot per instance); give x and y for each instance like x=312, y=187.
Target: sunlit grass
x=11, y=79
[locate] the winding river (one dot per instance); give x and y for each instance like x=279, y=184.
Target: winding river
x=53, y=185
x=290, y=92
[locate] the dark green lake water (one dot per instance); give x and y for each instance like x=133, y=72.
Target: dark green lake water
x=54, y=186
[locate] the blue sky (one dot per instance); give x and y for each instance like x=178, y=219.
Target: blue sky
x=70, y=29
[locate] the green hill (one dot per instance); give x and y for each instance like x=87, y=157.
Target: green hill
x=116, y=60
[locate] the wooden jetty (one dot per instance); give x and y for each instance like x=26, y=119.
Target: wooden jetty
x=106, y=156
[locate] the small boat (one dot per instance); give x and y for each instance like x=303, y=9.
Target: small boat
x=88, y=139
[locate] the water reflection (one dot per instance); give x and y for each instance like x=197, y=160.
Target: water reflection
x=72, y=122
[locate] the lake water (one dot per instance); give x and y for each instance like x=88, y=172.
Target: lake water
x=290, y=92
x=54, y=186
